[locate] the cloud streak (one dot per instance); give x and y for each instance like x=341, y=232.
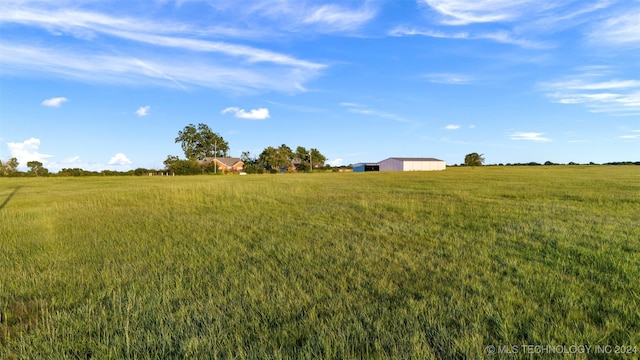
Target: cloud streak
x=170, y=55
x=634, y=134
x=504, y=37
x=168, y=71
x=599, y=92
x=529, y=136
x=336, y=18
x=621, y=30
x=463, y=12
x=362, y=110
x=449, y=78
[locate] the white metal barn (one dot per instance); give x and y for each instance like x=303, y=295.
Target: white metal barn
x=411, y=164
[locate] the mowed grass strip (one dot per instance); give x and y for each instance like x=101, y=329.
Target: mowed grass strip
x=413, y=265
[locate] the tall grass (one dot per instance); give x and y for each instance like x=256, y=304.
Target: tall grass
x=412, y=265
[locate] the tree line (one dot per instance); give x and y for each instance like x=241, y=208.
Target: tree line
x=475, y=159
x=200, y=142
x=10, y=168
x=197, y=143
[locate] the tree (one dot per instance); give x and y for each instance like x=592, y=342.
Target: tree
x=473, y=159
x=9, y=167
x=198, y=143
x=182, y=167
x=73, y=172
x=170, y=160
x=276, y=158
x=251, y=164
x=211, y=144
x=317, y=159
x=37, y=169
x=302, y=159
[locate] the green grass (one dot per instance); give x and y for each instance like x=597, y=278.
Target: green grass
x=374, y=265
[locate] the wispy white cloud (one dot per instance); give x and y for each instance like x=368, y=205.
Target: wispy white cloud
x=234, y=66
x=529, y=136
x=411, y=31
x=599, y=92
x=463, y=12
x=449, y=78
x=452, y=127
x=162, y=70
x=610, y=84
x=631, y=135
x=28, y=150
x=363, y=110
x=298, y=107
x=143, y=110
x=337, y=18
x=304, y=16
x=120, y=159
x=54, y=102
x=253, y=114
x=528, y=24
x=504, y=37
x=620, y=30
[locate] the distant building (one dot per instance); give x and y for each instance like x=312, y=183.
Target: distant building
x=365, y=167
x=411, y=164
x=223, y=164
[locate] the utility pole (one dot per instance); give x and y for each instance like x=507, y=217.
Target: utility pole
x=310, y=162
x=215, y=154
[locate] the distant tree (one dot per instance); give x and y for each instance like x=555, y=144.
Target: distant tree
x=473, y=159
x=9, y=167
x=246, y=157
x=211, y=144
x=251, y=165
x=301, y=159
x=72, y=172
x=317, y=159
x=170, y=160
x=143, y=172
x=36, y=169
x=275, y=158
x=198, y=143
x=182, y=167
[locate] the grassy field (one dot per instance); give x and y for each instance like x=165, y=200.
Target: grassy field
x=374, y=265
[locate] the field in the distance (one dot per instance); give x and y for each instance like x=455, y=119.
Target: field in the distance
x=413, y=265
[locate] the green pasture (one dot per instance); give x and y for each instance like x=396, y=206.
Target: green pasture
x=424, y=265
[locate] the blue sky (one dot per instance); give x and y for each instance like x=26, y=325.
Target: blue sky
x=101, y=84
